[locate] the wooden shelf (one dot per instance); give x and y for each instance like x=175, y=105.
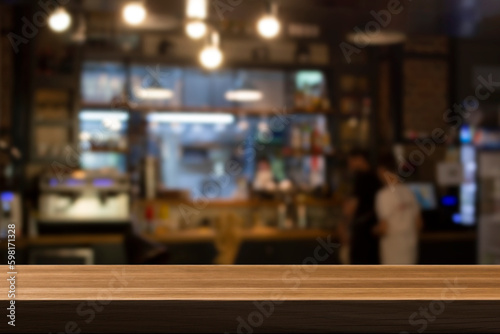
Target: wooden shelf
x=355, y=94
x=256, y=234
x=236, y=111
x=214, y=203
x=106, y=150
x=47, y=160
x=299, y=299
x=208, y=235
x=172, y=237
x=114, y=55
x=292, y=154
x=54, y=81
x=53, y=122
x=239, y=203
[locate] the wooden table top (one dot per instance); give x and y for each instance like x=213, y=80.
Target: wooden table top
x=348, y=299
x=257, y=282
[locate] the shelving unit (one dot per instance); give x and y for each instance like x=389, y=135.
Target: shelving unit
x=355, y=103
x=55, y=100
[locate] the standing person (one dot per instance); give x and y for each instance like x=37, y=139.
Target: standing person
x=359, y=210
x=399, y=217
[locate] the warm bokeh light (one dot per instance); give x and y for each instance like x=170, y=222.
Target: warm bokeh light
x=196, y=29
x=134, y=13
x=211, y=57
x=60, y=20
x=269, y=27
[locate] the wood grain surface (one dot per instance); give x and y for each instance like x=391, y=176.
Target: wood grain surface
x=251, y=299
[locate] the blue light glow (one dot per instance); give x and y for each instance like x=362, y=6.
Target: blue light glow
x=7, y=196
x=103, y=183
x=449, y=201
x=457, y=218
x=74, y=183
x=465, y=135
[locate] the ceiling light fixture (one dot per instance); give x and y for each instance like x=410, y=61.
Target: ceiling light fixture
x=243, y=95
x=196, y=9
x=244, y=91
x=154, y=93
x=196, y=29
x=269, y=26
x=99, y=115
x=60, y=20
x=211, y=56
x=191, y=118
x=134, y=13
x=196, y=13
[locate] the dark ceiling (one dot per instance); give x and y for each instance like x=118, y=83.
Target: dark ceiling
x=465, y=18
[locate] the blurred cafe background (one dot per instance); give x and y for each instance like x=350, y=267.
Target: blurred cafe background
x=219, y=131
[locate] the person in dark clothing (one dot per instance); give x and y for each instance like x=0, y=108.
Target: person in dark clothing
x=360, y=210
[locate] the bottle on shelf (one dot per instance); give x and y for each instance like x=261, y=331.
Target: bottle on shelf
x=316, y=140
x=301, y=216
x=282, y=216
x=295, y=138
x=306, y=138
x=325, y=139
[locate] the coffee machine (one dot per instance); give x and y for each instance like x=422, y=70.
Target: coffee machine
x=85, y=197
x=10, y=214
x=10, y=197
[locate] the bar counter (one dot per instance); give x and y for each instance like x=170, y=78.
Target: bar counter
x=208, y=235
x=252, y=299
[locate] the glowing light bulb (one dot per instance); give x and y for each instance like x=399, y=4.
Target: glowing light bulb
x=60, y=20
x=269, y=26
x=196, y=29
x=134, y=13
x=211, y=57
x=197, y=9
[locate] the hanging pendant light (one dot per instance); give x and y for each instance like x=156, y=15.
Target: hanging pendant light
x=196, y=29
x=211, y=56
x=244, y=91
x=155, y=91
x=196, y=13
x=134, y=13
x=60, y=20
x=269, y=26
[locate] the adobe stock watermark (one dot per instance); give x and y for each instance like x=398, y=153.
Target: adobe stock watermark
x=31, y=27
x=363, y=38
x=455, y=117
x=428, y=314
x=223, y=6
x=293, y=277
x=154, y=74
x=88, y=310
x=233, y=168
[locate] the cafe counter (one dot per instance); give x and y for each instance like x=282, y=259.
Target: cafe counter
x=254, y=299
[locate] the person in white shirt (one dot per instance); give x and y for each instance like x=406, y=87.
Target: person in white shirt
x=399, y=218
